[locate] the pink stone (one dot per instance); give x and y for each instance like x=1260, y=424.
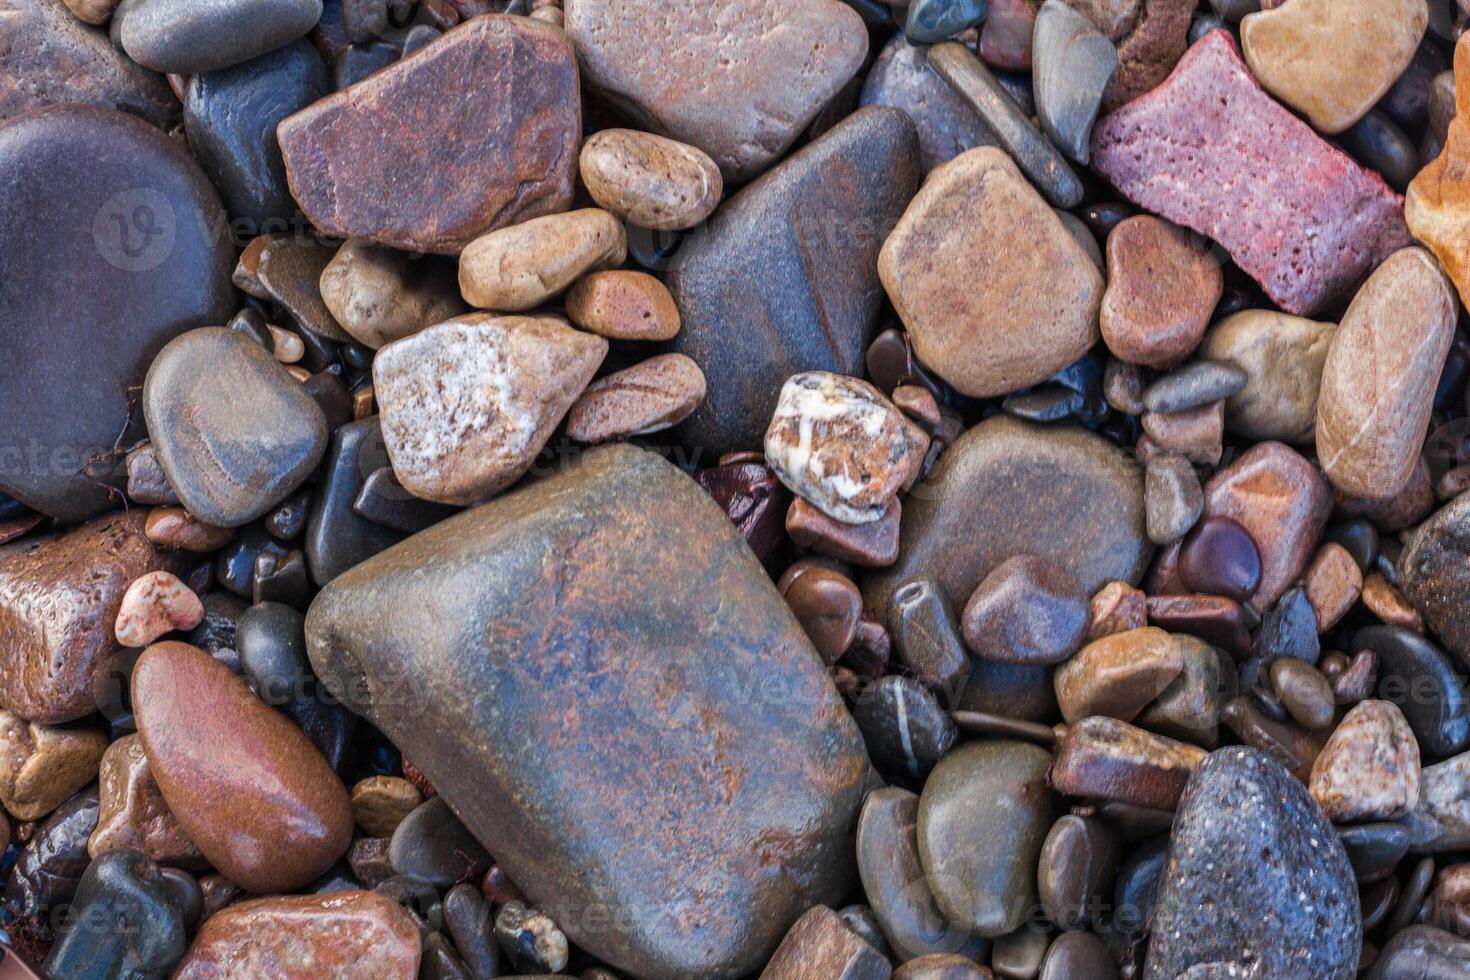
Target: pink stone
x=155, y=604
x=1209, y=149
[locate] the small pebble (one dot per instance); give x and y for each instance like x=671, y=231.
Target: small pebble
x=153, y=605
x=622, y=304
x=522, y=266
x=650, y=181
x=648, y=397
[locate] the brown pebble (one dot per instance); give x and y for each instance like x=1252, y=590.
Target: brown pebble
x=1333, y=582
x=1111, y=760
x=826, y=603
x=1304, y=692
x=42, y=765
x=942, y=966
x=1118, y=675
x=819, y=944
x=1449, y=903
x=1028, y=610
x=1369, y=769
x=1123, y=387
x=379, y=803
x=175, y=527
x=1117, y=608
x=623, y=304
x=132, y=812
x=650, y=181
x=522, y=266
x=1358, y=679
x=650, y=396
x=155, y=604
x=1197, y=434
x=247, y=269
x=917, y=402
x=497, y=886
x=1389, y=604
x=872, y=545
x=1163, y=284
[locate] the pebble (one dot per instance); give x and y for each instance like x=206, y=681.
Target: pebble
x=1282, y=357
x=1374, y=849
x=1199, y=384
x=1436, y=574
x=906, y=730
x=51, y=863
x=301, y=937
x=210, y=34
x=126, y=922
x=1344, y=220
x=379, y=803
x=234, y=432
x=132, y=814
x=1149, y=47
x=337, y=537
x=765, y=293
x=742, y=93
x=1369, y=769
x=1197, y=434
x=650, y=181
x=1441, y=820
x=467, y=404
x=942, y=966
x=1388, y=604
x=1032, y=153
x=106, y=257
x=931, y=21
x=623, y=304
x=524, y=265
x=383, y=163
x=1005, y=40
x=868, y=545
x=230, y=116
x=1417, y=676
x=431, y=844
x=983, y=817
x=1255, y=875
x=211, y=745
x=52, y=667
x=926, y=638
x=619, y=507
x=1113, y=760
x=290, y=272
x=470, y=923
x=1116, y=608
x=1118, y=675
x=838, y=443
x=1304, y=692
x=1378, y=144
x=1219, y=558
x=42, y=765
x=50, y=59
x=1370, y=430
x=147, y=483
x=379, y=295
x=1009, y=487
x=1028, y=610
x=1072, y=63
x=1075, y=875
x=1189, y=708
x=1163, y=284
x=1289, y=629
x=1172, y=498
x=1333, y=61
x=648, y=397
x=902, y=78
x=1420, y=951
x=1018, y=955
x=1018, y=314
x=821, y=944
x=1434, y=204
x=1283, y=503
x=155, y=604
x=1078, y=956
x=750, y=495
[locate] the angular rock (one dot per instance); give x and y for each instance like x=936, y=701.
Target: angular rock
x=1333, y=61
x=50, y=865
x=1261, y=216
x=1173, y=499
x=821, y=944
x=648, y=180
x=188, y=39
x=1116, y=676
x=996, y=293
x=1436, y=575
x=59, y=598
x=48, y=58
x=1189, y=709
x=133, y=814
x=1369, y=769
x=1163, y=285
x=234, y=431
x=301, y=937
x=1256, y=879
x=127, y=922
x=337, y=537
x=379, y=295
x=716, y=776
x=783, y=278
x=103, y=221
x=1282, y=357
x=466, y=405
x=289, y=271
x=243, y=782
x=1072, y=63
x=1009, y=487
x=516, y=163
x=41, y=766
x=1028, y=610
x=1113, y=760
x=1370, y=430
x=1435, y=204
x=902, y=78
x=739, y=82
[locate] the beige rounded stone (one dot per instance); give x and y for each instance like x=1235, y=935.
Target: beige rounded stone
x=467, y=404
x=175, y=527
x=623, y=304
x=132, y=812
x=995, y=292
x=1332, y=60
x=1163, y=284
x=96, y=12
x=1378, y=383
x=1369, y=768
x=1117, y=608
x=1118, y=675
x=380, y=294
x=651, y=396
x=379, y=803
x=1282, y=357
x=651, y=181
x=155, y=604
x=523, y=266
x=42, y=765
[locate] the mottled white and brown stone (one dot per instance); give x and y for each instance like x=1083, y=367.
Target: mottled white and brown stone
x=1369, y=769
x=649, y=180
x=42, y=765
x=155, y=604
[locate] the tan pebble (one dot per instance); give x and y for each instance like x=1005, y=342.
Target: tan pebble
x=364, y=405
x=1198, y=434
x=379, y=803
x=523, y=266
x=42, y=765
x=132, y=812
x=648, y=397
x=1163, y=284
x=623, y=304
x=1333, y=583
x=175, y=527
x=1282, y=357
x=96, y=12
x=381, y=294
x=917, y=402
x=1450, y=901
x=1389, y=604
x=1369, y=768
x=651, y=181
x=550, y=15
x=298, y=372
x=153, y=605
x=247, y=269
x=1118, y=675
x=287, y=347
x=1117, y=608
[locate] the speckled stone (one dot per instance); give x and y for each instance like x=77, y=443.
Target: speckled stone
x=1436, y=575
x=1369, y=768
x=648, y=180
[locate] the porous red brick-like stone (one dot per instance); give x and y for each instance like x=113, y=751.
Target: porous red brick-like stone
x=1209, y=149
x=477, y=131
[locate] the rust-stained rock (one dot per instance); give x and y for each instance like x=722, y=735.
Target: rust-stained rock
x=1118, y=675
x=306, y=937
x=821, y=945
x=1112, y=760
x=615, y=613
x=133, y=813
x=1437, y=203
x=393, y=159
x=59, y=598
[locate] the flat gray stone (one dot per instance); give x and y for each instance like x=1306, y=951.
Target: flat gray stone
x=1071, y=64
x=202, y=35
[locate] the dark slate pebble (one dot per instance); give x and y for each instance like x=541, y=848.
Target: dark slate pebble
x=906, y=730
x=203, y=35
x=1378, y=144
x=1136, y=888
x=1019, y=691
x=231, y=116
x=931, y=21
x=470, y=921
x=281, y=578
x=216, y=631
x=926, y=639
x=337, y=536
x=764, y=293
x=1256, y=878
x=383, y=500
x=1028, y=610
x=1359, y=537
x=361, y=60
x=1078, y=864
x=1422, y=953
x=1078, y=956
x=430, y=843
x=234, y=565
x=126, y=919
x=290, y=271
x=947, y=126
x=1290, y=629
x=288, y=520
x=50, y=866
x=187, y=895
x=1375, y=849
x=271, y=639
x=1416, y=675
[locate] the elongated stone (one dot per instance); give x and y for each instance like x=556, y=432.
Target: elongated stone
x=1072, y=62
x=1113, y=760
x=1308, y=227
x=580, y=590
x=903, y=78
